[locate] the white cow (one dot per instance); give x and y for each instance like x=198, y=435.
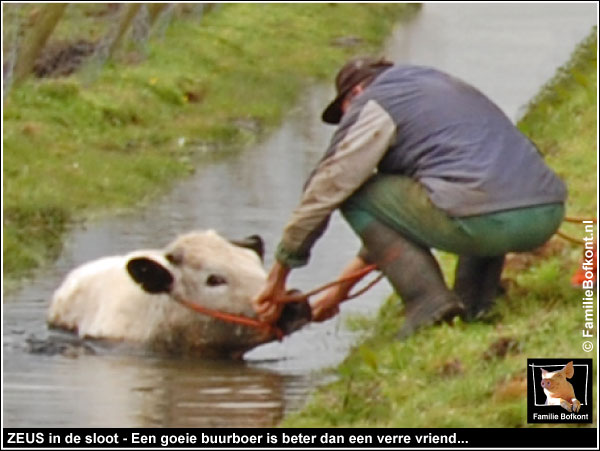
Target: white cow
x=133, y=298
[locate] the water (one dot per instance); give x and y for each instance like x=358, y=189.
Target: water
x=507, y=50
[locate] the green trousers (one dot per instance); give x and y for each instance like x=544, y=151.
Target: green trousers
x=403, y=204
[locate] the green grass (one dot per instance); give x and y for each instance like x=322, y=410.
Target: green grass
x=104, y=140
x=474, y=375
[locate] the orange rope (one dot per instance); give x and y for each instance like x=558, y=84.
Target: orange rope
x=569, y=238
x=578, y=219
x=574, y=219
x=234, y=319
x=300, y=297
x=353, y=276
x=263, y=326
x=365, y=288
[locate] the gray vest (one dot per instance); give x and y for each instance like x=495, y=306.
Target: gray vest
x=459, y=145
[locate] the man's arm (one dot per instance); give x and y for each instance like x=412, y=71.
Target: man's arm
x=357, y=148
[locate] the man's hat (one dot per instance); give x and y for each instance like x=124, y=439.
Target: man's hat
x=351, y=74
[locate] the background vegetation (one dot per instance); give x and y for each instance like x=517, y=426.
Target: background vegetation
x=119, y=130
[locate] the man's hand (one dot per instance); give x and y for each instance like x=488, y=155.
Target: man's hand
x=266, y=304
x=327, y=305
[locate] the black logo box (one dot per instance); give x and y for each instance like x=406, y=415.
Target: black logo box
x=582, y=382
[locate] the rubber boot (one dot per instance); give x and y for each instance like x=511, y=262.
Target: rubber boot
x=477, y=283
x=415, y=275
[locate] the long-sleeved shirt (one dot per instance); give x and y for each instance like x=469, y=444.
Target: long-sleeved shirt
x=419, y=122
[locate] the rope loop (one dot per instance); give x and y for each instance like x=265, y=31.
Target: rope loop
x=297, y=297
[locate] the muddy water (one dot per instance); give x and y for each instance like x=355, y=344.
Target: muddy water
x=508, y=50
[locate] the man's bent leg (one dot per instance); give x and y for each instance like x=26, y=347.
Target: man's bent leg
x=403, y=205
x=411, y=269
x=477, y=282
x=477, y=279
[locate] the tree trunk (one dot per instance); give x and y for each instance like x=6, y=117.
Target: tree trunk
x=35, y=39
x=155, y=10
x=126, y=20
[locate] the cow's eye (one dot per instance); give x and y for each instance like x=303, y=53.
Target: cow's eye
x=215, y=280
x=175, y=257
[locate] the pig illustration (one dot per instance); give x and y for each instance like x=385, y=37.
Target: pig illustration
x=559, y=392
x=134, y=298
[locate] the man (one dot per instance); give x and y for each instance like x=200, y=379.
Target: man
x=420, y=160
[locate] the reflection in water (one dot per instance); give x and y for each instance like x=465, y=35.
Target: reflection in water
x=138, y=391
x=508, y=50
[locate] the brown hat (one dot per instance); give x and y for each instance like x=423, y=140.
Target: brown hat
x=351, y=74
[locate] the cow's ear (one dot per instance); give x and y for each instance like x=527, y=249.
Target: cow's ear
x=253, y=242
x=151, y=275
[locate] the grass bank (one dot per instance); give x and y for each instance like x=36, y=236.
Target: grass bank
x=474, y=375
x=82, y=146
